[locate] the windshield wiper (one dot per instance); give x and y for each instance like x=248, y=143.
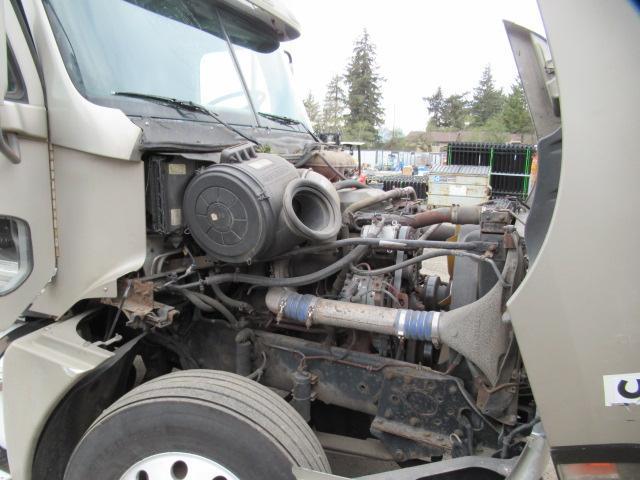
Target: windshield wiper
x=189, y=106
x=288, y=121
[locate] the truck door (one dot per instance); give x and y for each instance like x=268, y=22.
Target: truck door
x=27, y=250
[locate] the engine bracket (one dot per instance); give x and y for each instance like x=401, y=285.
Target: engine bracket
x=419, y=410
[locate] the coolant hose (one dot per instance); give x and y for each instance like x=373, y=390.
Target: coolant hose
x=231, y=302
x=456, y=215
x=206, y=303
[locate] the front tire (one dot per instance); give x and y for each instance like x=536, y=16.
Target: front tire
x=196, y=423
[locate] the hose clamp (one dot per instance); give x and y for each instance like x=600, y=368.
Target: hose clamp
x=435, y=334
x=281, y=306
x=400, y=322
x=310, y=312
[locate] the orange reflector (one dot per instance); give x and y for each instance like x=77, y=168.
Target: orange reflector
x=589, y=471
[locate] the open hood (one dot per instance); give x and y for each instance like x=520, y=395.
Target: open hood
x=537, y=72
x=271, y=13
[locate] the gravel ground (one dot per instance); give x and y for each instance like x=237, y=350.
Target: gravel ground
x=436, y=266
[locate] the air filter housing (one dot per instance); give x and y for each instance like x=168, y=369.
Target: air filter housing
x=258, y=209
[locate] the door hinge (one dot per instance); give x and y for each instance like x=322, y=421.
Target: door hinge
x=54, y=211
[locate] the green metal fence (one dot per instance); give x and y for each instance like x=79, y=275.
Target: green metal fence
x=510, y=164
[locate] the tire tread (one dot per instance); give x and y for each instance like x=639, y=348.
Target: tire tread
x=248, y=400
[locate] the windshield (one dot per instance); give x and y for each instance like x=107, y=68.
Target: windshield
x=178, y=50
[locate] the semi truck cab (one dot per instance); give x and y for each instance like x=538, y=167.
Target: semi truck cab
x=191, y=285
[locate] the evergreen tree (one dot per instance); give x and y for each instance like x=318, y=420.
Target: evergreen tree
x=487, y=99
x=364, y=96
x=362, y=132
x=494, y=130
x=515, y=114
x=435, y=107
x=313, y=111
x=335, y=101
x=455, y=110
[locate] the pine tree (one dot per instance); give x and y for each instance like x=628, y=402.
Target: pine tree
x=455, y=110
x=435, y=107
x=334, y=109
x=487, y=99
x=364, y=97
x=313, y=111
x=515, y=114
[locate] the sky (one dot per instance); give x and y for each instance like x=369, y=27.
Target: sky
x=421, y=44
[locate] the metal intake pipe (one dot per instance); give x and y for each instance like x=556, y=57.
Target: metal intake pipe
x=309, y=309
x=475, y=330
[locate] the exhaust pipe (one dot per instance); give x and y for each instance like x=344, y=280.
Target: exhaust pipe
x=476, y=330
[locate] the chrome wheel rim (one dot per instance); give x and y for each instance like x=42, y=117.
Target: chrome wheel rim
x=177, y=466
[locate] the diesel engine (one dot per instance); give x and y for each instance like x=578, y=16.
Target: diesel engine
x=261, y=265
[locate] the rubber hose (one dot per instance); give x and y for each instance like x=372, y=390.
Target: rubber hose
x=193, y=298
x=231, y=302
x=506, y=441
x=217, y=305
x=206, y=303
x=429, y=255
x=335, y=267
x=349, y=183
x=302, y=161
x=456, y=215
